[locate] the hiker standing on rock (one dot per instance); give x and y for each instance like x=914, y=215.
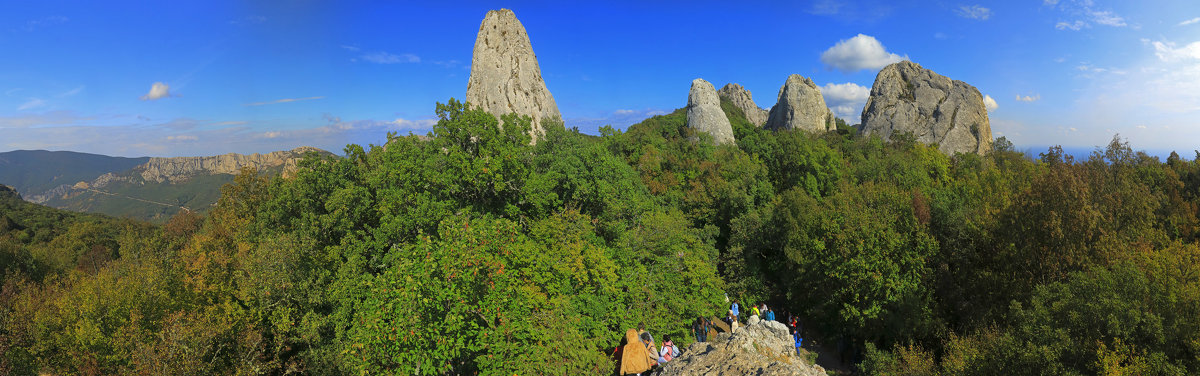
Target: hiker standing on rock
x=734, y=309
x=700, y=328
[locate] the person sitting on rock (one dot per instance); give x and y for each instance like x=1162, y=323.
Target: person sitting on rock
x=669, y=350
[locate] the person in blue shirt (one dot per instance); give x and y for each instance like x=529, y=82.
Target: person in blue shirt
x=796, y=335
x=769, y=314
x=734, y=309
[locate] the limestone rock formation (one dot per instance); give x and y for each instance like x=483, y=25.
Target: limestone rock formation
x=762, y=348
x=800, y=106
x=505, y=76
x=704, y=112
x=181, y=168
x=934, y=108
x=740, y=97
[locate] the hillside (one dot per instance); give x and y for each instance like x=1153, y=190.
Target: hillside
x=154, y=189
x=33, y=172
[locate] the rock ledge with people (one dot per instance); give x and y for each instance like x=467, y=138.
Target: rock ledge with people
x=761, y=347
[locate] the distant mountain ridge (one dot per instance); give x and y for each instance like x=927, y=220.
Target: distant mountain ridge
x=153, y=189
x=33, y=172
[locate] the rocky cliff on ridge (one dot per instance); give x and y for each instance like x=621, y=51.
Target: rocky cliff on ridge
x=505, y=77
x=176, y=169
x=935, y=109
x=800, y=106
x=741, y=98
x=704, y=112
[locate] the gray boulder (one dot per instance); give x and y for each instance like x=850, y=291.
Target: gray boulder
x=704, y=112
x=800, y=106
x=740, y=97
x=932, y=107
x=505, y=76
x=762, y=348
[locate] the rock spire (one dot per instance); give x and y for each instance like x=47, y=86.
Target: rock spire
x=740, y=97
x=505, y=76
x=800, y=106
x=704, y=112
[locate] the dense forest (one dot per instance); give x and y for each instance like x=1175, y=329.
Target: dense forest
x=472, y=251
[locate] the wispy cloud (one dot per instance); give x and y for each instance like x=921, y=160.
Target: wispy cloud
x=350, y=48
x=284, y=100
x=974, y=12
x=1189, y=22
x=381, y=57
x=32, y=25
x=158, y=91
x=1081, y=14
x=858, y=53
x=72, y=92
x=1063, y=25
x=185, y=137
x=1029, y=98
x=31, y=104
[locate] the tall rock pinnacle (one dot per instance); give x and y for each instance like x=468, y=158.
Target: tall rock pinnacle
x=704, y=112
x=934, y=108
x=741, y=98
x=505, y=76
x=800, y=106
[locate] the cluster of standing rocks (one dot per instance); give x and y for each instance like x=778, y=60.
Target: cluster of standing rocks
x=905, y=98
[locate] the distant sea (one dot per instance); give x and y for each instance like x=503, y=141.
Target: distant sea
x=1082, y=153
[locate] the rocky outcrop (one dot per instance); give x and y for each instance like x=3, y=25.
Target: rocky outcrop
x=505, y=76
x=932, y=107
x=800, y=106
x=760, y=348
x=740, y=97
x=704, y=112
x=180, y=168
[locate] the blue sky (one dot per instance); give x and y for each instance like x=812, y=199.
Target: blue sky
x=261, y=76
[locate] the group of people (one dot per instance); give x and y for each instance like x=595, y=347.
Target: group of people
x=638, y=353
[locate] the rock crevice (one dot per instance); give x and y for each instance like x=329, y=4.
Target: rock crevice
x=740, y=97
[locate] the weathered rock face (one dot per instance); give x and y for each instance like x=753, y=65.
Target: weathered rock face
x=505, y=76
x=704, y=112
x=180, y=168
x=800, y=106
x=740, y=97
x=762, y=348
x=934, y=108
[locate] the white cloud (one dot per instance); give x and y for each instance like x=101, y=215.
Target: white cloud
x=1141, y=126
x=388, y=58
x=186, y=137
x=1069, y=25
x=1189, y=22
x=31, y=104
x=846, y=100
x=157, y=91
x=1081, y=14
x=990, y=103
x=1029, y=98
x=625, y=112
x=857, y=53
x=350, y=48
x=284, y=100
x=419, y=124
x=1167, y=52
x=1108, y=18
x=974, y=12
